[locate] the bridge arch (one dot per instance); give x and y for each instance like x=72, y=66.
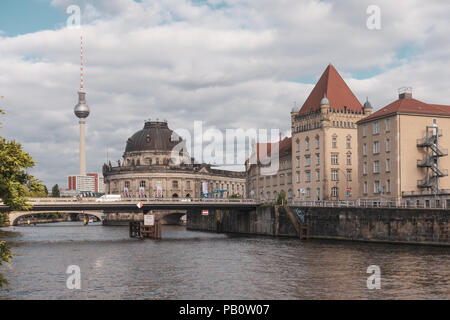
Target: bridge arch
x=14, y=216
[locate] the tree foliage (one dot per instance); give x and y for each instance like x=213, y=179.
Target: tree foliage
x=5, y=256
x=281, y=198
x=55, y=191
x=15, y=185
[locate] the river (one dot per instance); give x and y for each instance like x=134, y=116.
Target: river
x=199, y=265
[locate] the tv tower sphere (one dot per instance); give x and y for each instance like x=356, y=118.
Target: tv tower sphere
x=81, y=109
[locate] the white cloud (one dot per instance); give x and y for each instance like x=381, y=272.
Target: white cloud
x=231, y=66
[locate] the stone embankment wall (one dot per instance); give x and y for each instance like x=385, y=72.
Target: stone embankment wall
x=414, y=226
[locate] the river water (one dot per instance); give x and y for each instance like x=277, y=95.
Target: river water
x=199, y=265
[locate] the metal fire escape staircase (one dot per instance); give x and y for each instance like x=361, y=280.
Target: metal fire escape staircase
x=431, y=160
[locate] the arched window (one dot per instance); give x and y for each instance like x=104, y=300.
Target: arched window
x=349, y=142
x=275, y=195
x=268, y=195
x=291, y=194
x=307, y=143
x=335, y=192
x=317, y=142
x=334, y=141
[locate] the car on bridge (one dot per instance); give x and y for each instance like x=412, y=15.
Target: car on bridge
x=109, y=197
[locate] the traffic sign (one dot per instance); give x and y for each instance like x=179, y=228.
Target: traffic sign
x=139, y=205
x=149, y=219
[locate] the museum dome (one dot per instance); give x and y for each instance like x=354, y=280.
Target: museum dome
x=155, y=136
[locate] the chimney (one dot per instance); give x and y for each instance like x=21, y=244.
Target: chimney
x=405, y=93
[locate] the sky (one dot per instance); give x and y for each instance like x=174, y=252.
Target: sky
x=229, y=63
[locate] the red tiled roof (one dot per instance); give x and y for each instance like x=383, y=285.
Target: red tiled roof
x=284, y=147
x=409, y=106
x=336, y=90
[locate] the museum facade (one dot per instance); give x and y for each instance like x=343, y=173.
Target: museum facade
x=156, y=165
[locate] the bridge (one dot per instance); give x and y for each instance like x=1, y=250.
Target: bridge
x=90, y=206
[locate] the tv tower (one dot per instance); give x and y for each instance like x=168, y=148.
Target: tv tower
x=82, y=112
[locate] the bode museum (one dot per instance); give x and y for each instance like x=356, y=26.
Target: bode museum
x=150, y=170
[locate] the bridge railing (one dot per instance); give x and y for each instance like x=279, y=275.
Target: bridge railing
x=369, y=204
x=143, y=200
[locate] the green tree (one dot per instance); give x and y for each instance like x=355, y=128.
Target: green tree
x=46, y=191
x=281, y=198
x=15, y=185
x=55, y=191
x=5, y=256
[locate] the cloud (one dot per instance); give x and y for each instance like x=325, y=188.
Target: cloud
x=229, y=63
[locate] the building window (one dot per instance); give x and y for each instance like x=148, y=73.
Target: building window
x=317, y=158
x=298, y=177
x=334, y=175
x=349, y=175
x=317, y=175
x=376, y=147
x=188, y=185
x=388, y=165
x=157, y=161
x=142, y=184
x=335, y=192
x=366, y=187
x=298, y=162
x=318, y=193
x=388, y=145
x=308, y=192
x=364, y=130
x=388, y=185
x=388, y=125
x=298, y=145
x=334, y=142
x=127, y=184
x=365, y=149
x=376, y=187
x=349, y=159
x=175, y=184
x=308, y=161
x=308, y=176
x=334, y=159
x=317, y=142
x=376, y=166
x=349, y=143
x=268, y=195
x=364, y=168
x=307, y=143
x=376, y=127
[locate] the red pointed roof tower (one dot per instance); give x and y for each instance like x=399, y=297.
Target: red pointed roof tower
x=333, y=87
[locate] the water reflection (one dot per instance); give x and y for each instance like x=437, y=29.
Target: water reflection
x=198, y=265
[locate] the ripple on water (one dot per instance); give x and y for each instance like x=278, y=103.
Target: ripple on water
x=200, y=265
